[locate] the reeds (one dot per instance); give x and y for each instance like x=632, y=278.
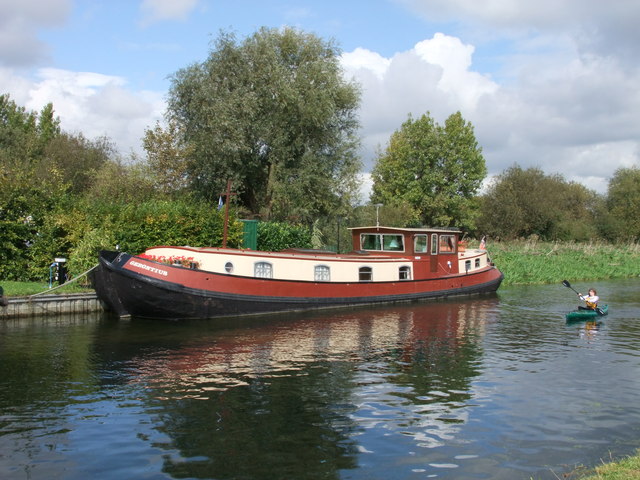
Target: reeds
x=533, y=261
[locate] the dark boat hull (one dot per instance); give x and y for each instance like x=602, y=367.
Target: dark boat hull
x=129, y=293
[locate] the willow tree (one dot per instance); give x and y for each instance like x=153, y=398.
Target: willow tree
x=274, y=114
x=436, y=170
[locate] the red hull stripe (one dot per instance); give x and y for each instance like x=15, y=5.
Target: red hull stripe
x=258, y=287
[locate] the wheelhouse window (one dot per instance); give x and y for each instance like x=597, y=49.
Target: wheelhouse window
x=322, y=273
x=434, y=244
x=405, y=273
x=263, y=270
x=380, y=241
x=394, y=243
x=370, y=242
x=420, y=243
x=447, y=243
x=365, y=274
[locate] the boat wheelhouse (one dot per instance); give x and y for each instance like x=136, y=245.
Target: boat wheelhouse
x=386, y=265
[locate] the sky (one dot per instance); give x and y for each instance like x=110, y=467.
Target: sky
x=550, y=84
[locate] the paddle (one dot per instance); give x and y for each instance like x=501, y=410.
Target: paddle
x=568, y=285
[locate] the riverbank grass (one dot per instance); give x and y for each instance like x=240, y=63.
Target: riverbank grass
x=625, y=469
x=23, y=289
x=531, y=261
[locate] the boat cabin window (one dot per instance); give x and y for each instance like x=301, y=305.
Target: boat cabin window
x=405, y=273
x=365, y=274
x=420, y=244
x=228, y=267
x=447, y=243
x=263, y=270
x=467, y=265
x=477, y=263
x=434, y=244
x=386, y=242
x=322, y=273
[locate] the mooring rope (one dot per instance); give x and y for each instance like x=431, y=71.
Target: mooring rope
x=65, y=283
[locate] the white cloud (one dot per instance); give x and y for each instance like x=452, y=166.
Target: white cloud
x=592, y=165
x=500, y=13
x=160, y=10
x=455, y=59
x=433, y=77
x=543, y=14
x=19, y=23
x=367, y=61
x=93, y=104
x=366, y=187
x=16, y=86
x=596, y=26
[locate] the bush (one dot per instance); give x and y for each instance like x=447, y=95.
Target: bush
x=79, y=231
x=276, y=236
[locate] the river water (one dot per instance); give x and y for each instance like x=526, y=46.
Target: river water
x=497, y=387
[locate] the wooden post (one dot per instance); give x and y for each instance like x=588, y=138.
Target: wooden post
x=227, y=196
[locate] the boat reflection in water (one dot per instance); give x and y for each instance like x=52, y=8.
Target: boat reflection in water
x=319, y=390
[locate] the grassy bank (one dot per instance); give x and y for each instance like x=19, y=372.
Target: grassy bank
x=624, y=469
x=22, y=289
x=536, y=262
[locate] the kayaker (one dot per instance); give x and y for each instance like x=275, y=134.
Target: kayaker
x=591, y=300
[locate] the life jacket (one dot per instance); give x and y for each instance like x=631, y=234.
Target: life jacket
x=590, y=304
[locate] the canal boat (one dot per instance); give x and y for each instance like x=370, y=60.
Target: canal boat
x=587, y=314
x=386, y=265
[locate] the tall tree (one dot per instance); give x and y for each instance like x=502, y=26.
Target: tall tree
x=28, y=187
x=48, y=125
x=275, y=115
x=623, y=201
x=168, y=157
x=18, y=133
x=434, y=169
x=77, y=159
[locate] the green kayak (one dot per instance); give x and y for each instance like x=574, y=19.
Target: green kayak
x=577, y=315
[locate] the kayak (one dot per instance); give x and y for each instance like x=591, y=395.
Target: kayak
x=577, y=315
